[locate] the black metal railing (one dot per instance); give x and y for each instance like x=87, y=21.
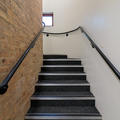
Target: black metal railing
x=109, y=63
x=93, y=44
x=4, y=84
x=62, y=33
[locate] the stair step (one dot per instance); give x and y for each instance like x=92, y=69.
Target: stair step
x=55, y=56
x=62, y=86
x=63, y=68
x=62, y=94
x=62, y=62
x=62, y=83
x=62, y=76
x=62, y=101
x=69, y=112
x=69, y=59
x=54, y=117
x=66, y=110
x=62, y=117
x=56, y=88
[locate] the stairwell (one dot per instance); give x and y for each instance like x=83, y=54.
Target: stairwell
x=62, y=92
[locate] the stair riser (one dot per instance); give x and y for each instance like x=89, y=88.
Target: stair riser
x=62, y=89
x=68, y=82
x=55, y=56
x=62, y=62
x=36, y=103
x=62, y=77
x=63, y=69
x=55, y=117
x=63, y=119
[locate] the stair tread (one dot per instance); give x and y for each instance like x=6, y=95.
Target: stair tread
x=61, y=62
x=63, y=71
x=55, y=56
x=87, y=110
x=62, y=94
x=63, y=81
x=61, y=117
x=68, y=59
x=62, y=66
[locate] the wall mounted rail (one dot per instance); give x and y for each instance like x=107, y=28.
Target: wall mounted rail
x=4, y=84
x=109, y=63
x=62, y=33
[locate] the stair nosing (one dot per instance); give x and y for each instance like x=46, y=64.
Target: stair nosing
x=62, y=98
x=67, y=66
x=64, y=117
x=62, y=60
x=67, y=114
x=62, y=84
x=62, y=73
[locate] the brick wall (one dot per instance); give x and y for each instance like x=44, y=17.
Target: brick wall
x=20, y=21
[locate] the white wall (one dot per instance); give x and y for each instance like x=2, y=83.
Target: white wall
x=67, y=16
x=102, y=22
x=101, y=19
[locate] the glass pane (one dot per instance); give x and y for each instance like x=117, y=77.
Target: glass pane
x=48, y=20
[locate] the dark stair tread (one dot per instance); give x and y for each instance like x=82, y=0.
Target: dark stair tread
x=62, y=71
x=62, y=76
x=61, y=62
x=62, y=59
x=62, y=87
x=62, y=94
x=65, y=110
x=55, y=117
x=66, y=73
x=55, y=56
x=62, y=81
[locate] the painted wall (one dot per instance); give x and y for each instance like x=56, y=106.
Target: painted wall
x=100, y=19
x=67, y=16
x=102, y=23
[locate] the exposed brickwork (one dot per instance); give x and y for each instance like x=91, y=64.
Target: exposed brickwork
x=20, y=21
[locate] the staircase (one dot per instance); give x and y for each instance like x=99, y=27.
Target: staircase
x=62, y=92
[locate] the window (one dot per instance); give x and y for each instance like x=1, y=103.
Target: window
x=48, y=19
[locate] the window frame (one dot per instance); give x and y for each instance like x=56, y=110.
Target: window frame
x=49, y=15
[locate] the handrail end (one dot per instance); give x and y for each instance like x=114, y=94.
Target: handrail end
x=3, y=89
